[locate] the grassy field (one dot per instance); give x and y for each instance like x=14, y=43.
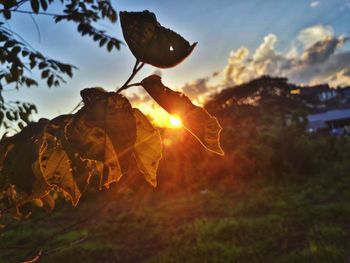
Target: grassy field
x=250, y=222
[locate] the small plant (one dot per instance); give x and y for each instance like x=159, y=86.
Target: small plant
x=62, y=154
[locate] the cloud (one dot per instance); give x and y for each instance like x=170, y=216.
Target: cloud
x=236, y=70
x=266, y=49
x=341, y=78
x=197, y=88
x=321, y=50
x=315, y=55
x=158, y=72
x=345, y=7
x=310, y=35
x=314, y=4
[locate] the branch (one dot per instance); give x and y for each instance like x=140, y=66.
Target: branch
x=137, y=67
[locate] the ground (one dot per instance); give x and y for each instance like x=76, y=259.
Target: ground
x=257, y=221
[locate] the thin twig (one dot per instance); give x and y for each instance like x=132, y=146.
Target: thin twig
x=137, y=67
x=32, y=13
x=36, y=27
x=20, y=37
x=133, y=85
x=76, y=107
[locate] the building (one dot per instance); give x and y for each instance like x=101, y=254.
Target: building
x=334, y=120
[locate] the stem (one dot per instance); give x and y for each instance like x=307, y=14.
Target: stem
x=136, y=69
x=133, y=85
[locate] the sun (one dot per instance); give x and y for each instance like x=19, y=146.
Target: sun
x=175, y=122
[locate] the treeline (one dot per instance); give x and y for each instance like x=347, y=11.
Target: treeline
x=264, y=137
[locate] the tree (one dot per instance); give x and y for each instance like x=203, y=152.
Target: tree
x=18, y=58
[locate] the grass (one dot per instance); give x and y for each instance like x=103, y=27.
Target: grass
x=252, y=222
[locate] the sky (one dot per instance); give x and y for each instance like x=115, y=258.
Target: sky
x=306, y=41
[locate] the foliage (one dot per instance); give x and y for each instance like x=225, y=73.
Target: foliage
x=18, y=58
x=63, y=154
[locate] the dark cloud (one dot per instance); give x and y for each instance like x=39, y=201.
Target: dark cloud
x=196, y=88
x=321, y=50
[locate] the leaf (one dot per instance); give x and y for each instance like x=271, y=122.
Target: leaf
x=57, y=170
x=93, y=143
x=7, y=14
x=110, y=46
x=103, y=41
x=50, y=80
x=148, y=147
x=20, y=162
x=45, y=74
x=48, y=202
x=112, y=113
x=152, y=43
x=44, y=4
x=58, y=163
x=35, y=6
x=195, y=119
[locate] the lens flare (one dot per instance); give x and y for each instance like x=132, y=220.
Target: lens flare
x=175, y=121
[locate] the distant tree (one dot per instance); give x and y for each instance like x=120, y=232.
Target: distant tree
x=18, y=58
x=268, y=96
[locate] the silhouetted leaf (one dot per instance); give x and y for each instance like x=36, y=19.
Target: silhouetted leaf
x=7, y=14
x=110, y=46
x=9, y=43
x=45, y=74
x=195, y=119
x=42, y=65
x=44, y=4
x=152, y=43
x=103, y=41
x=35, y=6
x=50, y=81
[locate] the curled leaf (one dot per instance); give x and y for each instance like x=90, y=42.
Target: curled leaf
x=148, y=147
x=54, y=160
x=152, y=43
x=19, y=170
x=93, y=143
x=23, y=149
x=195, y=119
x=112, y=113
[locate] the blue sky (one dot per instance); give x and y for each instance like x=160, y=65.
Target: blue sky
x=219, y=27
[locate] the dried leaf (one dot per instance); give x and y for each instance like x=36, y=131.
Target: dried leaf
x=57, y=161
x=24, y=181
x=195, y=119
x=152, y=43
x=148, y=147
x=94, y=144
x=48, y=202
x=56, y=167
x=112, y=113
x=23, y=150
